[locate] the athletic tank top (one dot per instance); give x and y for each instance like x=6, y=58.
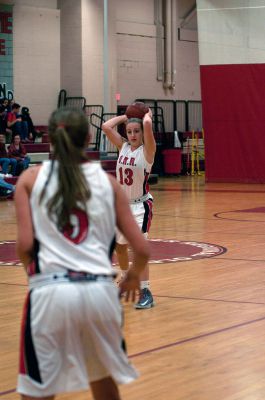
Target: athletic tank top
x=88, y=246
x=132, y=171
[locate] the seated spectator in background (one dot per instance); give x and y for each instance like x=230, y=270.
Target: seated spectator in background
x=3, y=124
x=5, y=161
x=18, y=151
x=6, y=104
x=16, y=124
x=3, y=121
x=31, y=129
x=6, y=189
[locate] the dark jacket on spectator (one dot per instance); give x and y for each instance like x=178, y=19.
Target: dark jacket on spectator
x=13, y=152
x=3, y=152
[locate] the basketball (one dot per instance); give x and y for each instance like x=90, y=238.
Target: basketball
x=136, y=110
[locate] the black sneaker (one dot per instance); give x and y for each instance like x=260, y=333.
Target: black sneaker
x=146, y=300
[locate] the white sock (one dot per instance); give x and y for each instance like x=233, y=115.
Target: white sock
x=145, y=285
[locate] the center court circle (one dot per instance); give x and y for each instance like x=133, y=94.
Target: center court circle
x=162, y=251
x=171, y=251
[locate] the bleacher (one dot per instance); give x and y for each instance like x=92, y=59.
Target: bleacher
x=168, y=116
x=41, y=150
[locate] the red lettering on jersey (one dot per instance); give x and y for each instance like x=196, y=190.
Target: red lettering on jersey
x=132, y=162
x=77, y=231
x=125, y=160
x=126, y=176
x=120, y=159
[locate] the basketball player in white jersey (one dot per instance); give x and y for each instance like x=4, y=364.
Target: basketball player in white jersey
x=67, y=210
x=135, y=160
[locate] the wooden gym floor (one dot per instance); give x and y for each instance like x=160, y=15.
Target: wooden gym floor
x=204, y=340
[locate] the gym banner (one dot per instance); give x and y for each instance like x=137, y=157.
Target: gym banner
x=6, y=51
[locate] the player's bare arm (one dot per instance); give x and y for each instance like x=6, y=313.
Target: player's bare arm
x=109, y=128
x=25, y=236
x=149, y=140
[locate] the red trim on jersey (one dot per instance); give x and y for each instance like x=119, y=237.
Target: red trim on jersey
x=150, y=214
x=33, y=268
x=22, y=358
x=145, y=184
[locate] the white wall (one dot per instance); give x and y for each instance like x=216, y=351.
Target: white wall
x=137, y=68
x=231, y=32
x=47, y=59
x=36, y=59
x=71, y=46
x=94, y=54
x=32, y=3
x=82, y=50
x=92, y=48
x=132, y=58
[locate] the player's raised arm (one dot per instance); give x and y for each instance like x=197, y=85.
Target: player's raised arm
x=109, y=128
x=149, y=140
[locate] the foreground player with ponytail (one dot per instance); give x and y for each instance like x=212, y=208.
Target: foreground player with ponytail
x=67, y=210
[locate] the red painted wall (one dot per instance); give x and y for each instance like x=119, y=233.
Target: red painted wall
x=233, y=106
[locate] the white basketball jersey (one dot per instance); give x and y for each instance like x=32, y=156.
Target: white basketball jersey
x=85, y=247
x=132, y=171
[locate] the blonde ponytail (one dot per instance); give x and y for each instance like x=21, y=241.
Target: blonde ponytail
x=68, y=131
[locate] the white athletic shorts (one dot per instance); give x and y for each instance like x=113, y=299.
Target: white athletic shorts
x=71, y=335
x=142, y=212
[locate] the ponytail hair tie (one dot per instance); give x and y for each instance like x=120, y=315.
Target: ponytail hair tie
x=61, y=125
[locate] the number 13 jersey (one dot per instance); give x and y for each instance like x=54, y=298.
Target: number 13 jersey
x=132, y=171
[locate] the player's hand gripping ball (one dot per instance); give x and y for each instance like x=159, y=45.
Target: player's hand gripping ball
x=136, y=110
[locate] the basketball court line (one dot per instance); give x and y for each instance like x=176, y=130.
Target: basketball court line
x=218, y=215
x=7, y=392
x=170, y=297
x=241, y=259
x=210, y=300
x=205, y=190
x=152, y=262
x=180, y=342
x=14, y=284
x=252, y=210
x=183, y=216
x=5, y=264
x=193, y=338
